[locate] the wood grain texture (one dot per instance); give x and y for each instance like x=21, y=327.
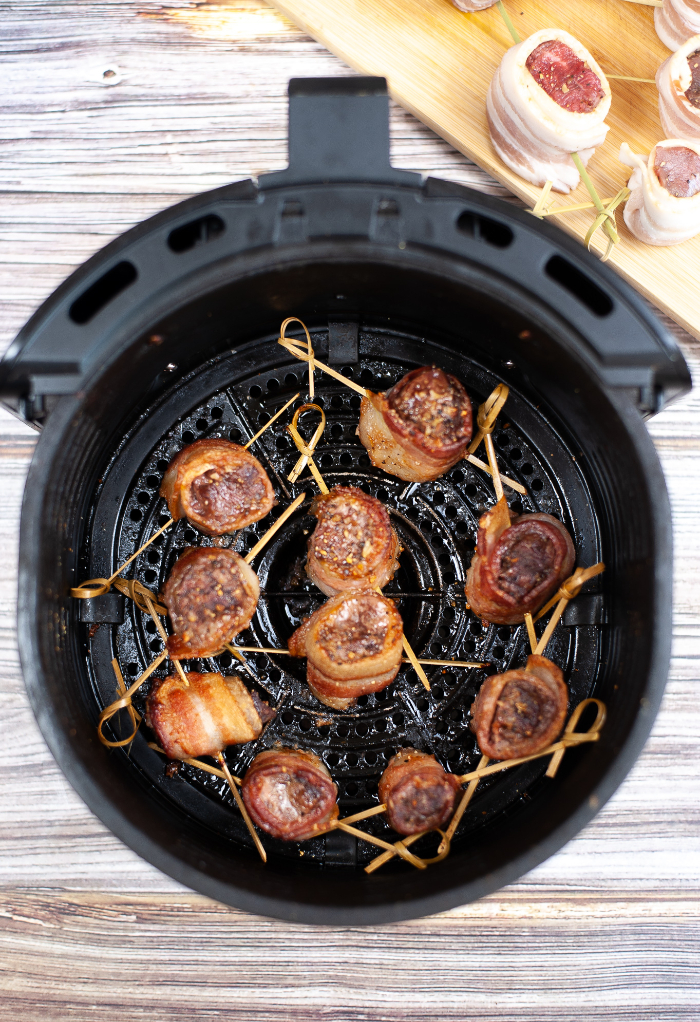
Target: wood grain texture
x=439, y=61
x=606, y=929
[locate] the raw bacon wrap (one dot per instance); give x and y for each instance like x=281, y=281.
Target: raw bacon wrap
x=532, y=134
x=679, y=118
x=218, y=486
x=353, y=546
x=290, y=794
x=419, y=795
x=516, y=569
x=353, y=645
x=677, y=20
x=652, y=214
x=211, y=596
x=473, y=5
x=204, y=716
x=419, y=428
x=521, y=712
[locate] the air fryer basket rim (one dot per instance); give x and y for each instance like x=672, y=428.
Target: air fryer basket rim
x=618, y=381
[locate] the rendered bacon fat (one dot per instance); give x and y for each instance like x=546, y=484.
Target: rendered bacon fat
x=676, y=21
x=521, y=712
x=678, y=82
x=418, y=794
x=664, y=207
x=204, y=716
x=353, y=545
x=218, y=486
x=516, y=569
x=290, y=794
x=547, y=99
x=211, y=596
x=420, y=427
x=353, y=645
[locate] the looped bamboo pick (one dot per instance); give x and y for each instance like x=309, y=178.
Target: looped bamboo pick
x=295, y=348
x=124, y=701
x=486, y=421
x=140, y=594
x=99, y=586
x=568, y=590
x=306, y=450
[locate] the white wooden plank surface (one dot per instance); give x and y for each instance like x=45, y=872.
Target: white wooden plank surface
x=608, y=928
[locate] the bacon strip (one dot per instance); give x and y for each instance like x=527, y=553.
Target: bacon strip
x=664, y=207
x=676, y=21
x=419, y=428
x=211, y=596
x=418, y=793
x=204, y=716
x=218, y=486
x=290, y=794
x=535, y=129
x=520, y=712
x=353, y=544
x=353, y=645
x=516, y=569
x=678, y=82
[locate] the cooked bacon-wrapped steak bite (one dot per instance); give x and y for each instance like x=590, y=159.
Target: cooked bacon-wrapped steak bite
x=420, y=427
x=664, y=207
x=676, y=21
x=353, y=645
x=204, y=716
x=547, y=99
x=218, y=486
x=353, y=545
x=211, y=596
x=418, y=794
x=678, y=82
x=520, y=712
x=515, y=570
x=290, y=794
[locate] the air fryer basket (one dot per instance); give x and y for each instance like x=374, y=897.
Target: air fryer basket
x=170, y=335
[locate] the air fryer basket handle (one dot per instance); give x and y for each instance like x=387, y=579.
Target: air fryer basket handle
x=338, y=131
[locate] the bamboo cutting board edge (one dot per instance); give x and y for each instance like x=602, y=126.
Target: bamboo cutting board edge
x=446, y=91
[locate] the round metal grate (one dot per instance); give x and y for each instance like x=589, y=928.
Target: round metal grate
x=436, y=523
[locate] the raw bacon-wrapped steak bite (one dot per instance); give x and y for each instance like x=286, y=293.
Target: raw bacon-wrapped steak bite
x=353, y=546
x=521, y=712
x=678, y=82
x=419, y=428
x=290, y=794
x=547, y=99
x=419, y=795
x=473, y=5
x=204, y=716
x=664, y=207
x=218, y=486
x=516, y=569
x=353, y=645
x=211, y=596
x=676, y=21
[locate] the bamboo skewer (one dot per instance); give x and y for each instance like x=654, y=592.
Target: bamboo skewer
x=242, y=809
x=164, y=637
x=124, y=701
x=264, y=540
x=271, y=420
x=99, y=586
x=307, y=450
x=568, y=590
x=405, y=660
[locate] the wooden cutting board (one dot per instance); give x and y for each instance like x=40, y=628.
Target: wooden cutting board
x=439, y=61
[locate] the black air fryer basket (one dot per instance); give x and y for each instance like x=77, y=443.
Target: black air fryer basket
x=169, y=334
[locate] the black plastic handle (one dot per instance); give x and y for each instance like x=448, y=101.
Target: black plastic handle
x=338, y=131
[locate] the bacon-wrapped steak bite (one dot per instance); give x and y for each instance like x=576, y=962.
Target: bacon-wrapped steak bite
x=418, y=794
x=515, y=570
x=547, y=100
x=521, y=712
x=204, y=716
x=419, y=428
x=211, y=596
x=664, y=207
x=678, y=82
x=676, y=21
x=353, y=645
x=353, y=545
x=218, y=486
x=290, y=794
